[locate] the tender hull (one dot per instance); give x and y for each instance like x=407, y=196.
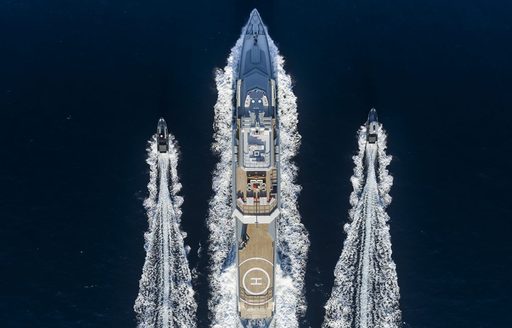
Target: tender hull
x=162, y=136
x=255, y=178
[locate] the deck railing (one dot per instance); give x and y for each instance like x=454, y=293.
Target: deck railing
x=256, y=208
x=257, y=299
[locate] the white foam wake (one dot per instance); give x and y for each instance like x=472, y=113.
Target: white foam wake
x=222, y=303
x=166, y=297
x=365, y=292
x=292, y=237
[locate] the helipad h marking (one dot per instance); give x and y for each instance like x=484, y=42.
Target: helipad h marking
x=251, y=292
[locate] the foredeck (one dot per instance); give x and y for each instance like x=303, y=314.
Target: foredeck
x=256, y=273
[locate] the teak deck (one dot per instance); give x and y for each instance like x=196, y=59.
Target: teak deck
x=256, y=273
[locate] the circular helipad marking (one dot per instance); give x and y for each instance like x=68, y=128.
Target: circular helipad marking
x=250, y=292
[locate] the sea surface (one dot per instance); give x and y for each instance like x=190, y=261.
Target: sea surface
x=82, y=85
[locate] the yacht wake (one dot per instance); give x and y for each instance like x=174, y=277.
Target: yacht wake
x=365, y=292
x=166, y=297
x=223, y=275
x=292, y=240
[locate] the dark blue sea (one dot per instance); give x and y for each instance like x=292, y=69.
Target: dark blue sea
x=82, y=84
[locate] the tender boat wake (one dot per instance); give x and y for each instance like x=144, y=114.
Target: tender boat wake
x=166, y=297
x=292, y=241
x=365, y=292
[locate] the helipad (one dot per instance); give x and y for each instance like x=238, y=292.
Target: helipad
x=256, y=273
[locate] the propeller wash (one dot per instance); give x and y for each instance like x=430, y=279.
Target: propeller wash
x=258, y=245
x=166, y=297
x=365, y=292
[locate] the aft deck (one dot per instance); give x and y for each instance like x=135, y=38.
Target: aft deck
x=256, y=273
x=265, y=202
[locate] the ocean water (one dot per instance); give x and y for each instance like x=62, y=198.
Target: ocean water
x=83, y=84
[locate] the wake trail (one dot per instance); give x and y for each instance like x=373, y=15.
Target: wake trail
x=292, y=239
x=366, y=292
x=166, y=297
